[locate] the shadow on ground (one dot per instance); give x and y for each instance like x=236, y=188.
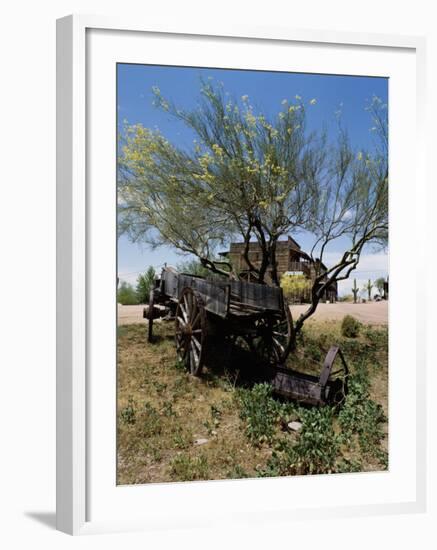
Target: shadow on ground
x=45, y=518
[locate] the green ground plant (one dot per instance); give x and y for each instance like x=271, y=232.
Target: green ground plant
x=244, y=429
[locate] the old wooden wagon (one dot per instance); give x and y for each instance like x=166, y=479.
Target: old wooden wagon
x=213, y=316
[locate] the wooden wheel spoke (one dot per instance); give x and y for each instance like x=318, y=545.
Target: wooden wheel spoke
x=279, y=345
x=182, y=321
x=194, y=310
x=187, y=306
x=184, y=313
x=190, y=325
x=194, y=351
x=196, y=320
x=196, y=343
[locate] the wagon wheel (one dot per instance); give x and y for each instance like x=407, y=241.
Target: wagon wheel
x=336, y=373
x=150, y=316
x=190, y=330
x=274, y=337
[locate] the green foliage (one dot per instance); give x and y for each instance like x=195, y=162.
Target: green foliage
x=350, y=327
x=145, y=283
x=328, y=435
x=379, y=283
x=185, y=468
x=315, y=451
x=237, y=472
x=349, y=466
x=182, y=439
x=377, y=337
x=167, y=409
x=151, y=421
x=350, y=438
x=128, y=413
x=126, y=294
x=212, y=424
x=296, y=287
x=259, y=411
x=249, y=175
x=193, y=267
x=361, y=417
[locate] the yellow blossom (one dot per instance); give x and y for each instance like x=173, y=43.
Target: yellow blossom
x=250, y=119
x=218, y=151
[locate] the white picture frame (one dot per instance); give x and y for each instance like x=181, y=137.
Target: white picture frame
x=74, y=343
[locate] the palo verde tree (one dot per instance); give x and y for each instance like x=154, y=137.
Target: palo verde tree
x=252, y=178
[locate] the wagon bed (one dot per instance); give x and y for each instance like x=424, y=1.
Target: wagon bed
x=223, y=298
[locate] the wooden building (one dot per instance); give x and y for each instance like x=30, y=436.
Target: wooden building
x=290, y=258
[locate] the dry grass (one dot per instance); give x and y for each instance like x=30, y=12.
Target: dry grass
x=163, y=412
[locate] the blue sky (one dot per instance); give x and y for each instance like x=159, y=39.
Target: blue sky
x=266, y=90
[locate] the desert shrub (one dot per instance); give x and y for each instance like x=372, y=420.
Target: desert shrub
x=350, y=327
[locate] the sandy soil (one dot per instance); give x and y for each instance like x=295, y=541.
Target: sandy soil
x=374, y=313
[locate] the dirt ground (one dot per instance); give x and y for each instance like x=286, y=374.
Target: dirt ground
x=372, y=313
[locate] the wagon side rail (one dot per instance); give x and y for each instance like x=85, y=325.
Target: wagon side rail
x=215, y=295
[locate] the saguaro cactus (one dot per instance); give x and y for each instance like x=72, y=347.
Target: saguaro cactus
x=369, y=287
x=355, y=291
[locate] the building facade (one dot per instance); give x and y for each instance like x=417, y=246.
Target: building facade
x=290, y=259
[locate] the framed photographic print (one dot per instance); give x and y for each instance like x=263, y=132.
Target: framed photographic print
x=233, y=334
